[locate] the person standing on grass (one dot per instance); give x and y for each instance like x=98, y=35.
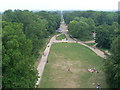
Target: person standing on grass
x=47, y=61
x=68, y=69
x=98, y=87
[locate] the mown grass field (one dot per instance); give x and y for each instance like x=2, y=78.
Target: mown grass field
x=62, y=36
x=78, y=58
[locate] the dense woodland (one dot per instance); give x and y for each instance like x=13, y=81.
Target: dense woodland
x=23, y=35
x=106, y=25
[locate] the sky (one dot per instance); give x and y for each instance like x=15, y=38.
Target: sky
x=59, y=4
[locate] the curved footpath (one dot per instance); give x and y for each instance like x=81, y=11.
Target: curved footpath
x=43, y=61
x=96, y=50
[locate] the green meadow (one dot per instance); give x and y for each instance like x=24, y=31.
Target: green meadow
x=79, y=59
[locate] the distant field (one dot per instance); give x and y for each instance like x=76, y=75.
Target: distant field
x=62, y=36
x=78, y=58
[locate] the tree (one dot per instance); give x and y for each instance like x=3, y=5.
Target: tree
x=91, y=24
x=112, y=65
x=53, y=19
x=78, y=28
x=72, y=28
x=17, y=62
x=103, y=36
x=24, y=35
x=37, y=32
x=99, y=17
x=36, y=26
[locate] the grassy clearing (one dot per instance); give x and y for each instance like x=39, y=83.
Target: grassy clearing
x=62, y=36
x=79, y=59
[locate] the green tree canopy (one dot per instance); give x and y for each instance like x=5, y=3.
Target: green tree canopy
x=17, y=61
x=36, y=25
x=112, y=65
x=81, y=28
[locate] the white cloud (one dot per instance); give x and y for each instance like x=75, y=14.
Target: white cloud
x=59, y=4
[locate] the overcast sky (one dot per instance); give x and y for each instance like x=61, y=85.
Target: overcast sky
x=59, y=4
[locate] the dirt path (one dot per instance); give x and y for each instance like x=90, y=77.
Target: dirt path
x=93, y=41
x=43, y=61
